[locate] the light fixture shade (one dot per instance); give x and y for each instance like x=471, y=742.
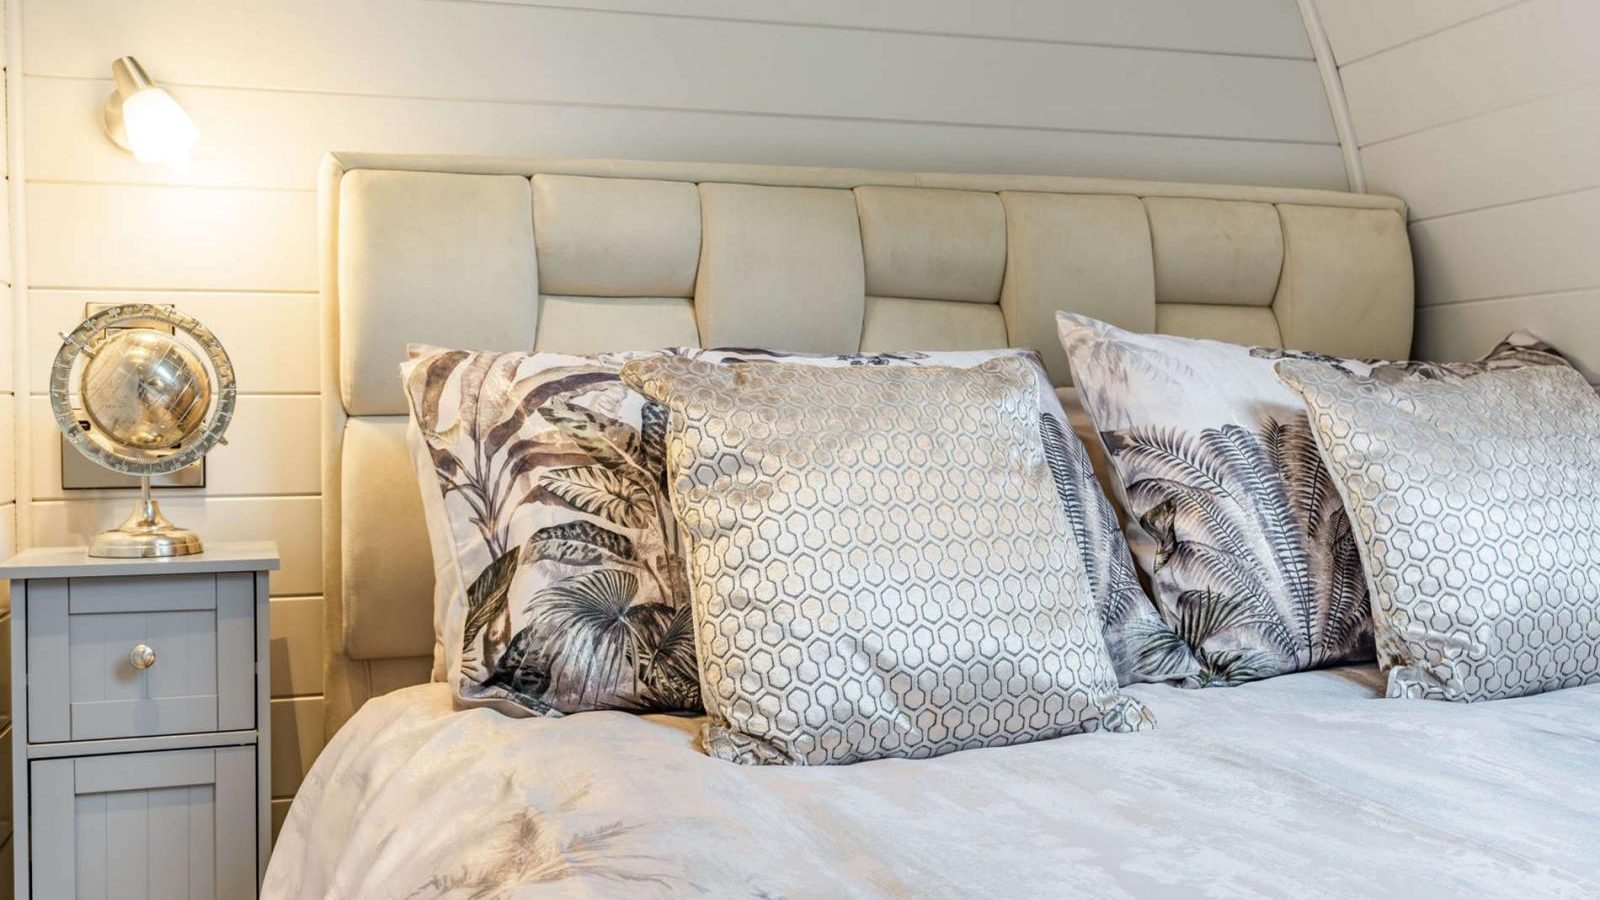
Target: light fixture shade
x=144, y=119
x=158, y=129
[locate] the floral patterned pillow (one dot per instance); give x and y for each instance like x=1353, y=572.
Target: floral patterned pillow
x=1229, y=508
x=560, y=583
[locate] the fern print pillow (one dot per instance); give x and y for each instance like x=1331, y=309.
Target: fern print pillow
x=1230, y=510
x=560, y=586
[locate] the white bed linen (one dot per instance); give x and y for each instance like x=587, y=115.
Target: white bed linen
x=1307, y=785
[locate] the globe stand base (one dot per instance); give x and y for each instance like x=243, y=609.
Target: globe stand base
x=145, y=534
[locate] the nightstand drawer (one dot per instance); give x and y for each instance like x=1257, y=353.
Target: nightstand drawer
x=178, y=823
x=135, y=657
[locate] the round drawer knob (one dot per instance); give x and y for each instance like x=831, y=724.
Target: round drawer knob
x=142, y=657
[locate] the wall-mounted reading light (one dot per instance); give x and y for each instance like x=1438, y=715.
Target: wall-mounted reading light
x=144, y=119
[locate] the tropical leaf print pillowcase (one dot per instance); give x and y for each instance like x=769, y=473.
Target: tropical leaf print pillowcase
x=560, y=586
x=1229, y=508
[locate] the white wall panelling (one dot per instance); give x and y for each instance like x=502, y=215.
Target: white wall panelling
x=1536, y=149
x=1246, y=27
x=273, y=449
x=268, y=336
x=12, y=463
x=526, y=53
x=122, y=236
x=296, y=740
x=1485, y=116
x=8, y=458
x=1570, y=320
x=1531, y=247
x=1360, y=28
x=274, y=139
x=1520, y=53
x=294, y=522
x=296, y=646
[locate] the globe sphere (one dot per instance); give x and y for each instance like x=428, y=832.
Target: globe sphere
x=144, y=389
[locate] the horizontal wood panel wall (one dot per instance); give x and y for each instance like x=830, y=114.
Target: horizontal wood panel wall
x=8, y=471
x=1485, y=116
x=1223, y=91
x=9, y=451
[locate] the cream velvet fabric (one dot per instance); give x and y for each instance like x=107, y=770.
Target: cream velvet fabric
x=1477, y=508
x=878, y=562
x=584, y=255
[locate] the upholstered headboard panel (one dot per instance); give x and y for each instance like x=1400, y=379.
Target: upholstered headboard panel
x=588, y=255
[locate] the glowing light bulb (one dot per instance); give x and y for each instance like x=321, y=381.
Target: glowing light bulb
x=143, y=119
x=158, y=129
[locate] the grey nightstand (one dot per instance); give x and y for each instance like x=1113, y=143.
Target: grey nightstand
x=140, y=746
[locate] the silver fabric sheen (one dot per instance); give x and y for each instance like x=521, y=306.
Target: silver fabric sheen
x=1477, y=507
x=878, y=562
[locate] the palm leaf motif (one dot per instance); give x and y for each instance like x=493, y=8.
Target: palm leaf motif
x=603, y=492
x=593, y=627
x=1190, y=510
x=1262, y=483
x=1248, y=524
x=1158, y=648
x=517, y=853
x=1204, y=615
x=608, y=442
x=1293, y=451
x=1231, y=667
x=435, y=375
x=1338, y=585
x=578, y=543
x=1349, y=612
x=1113, y=580
x=1058, y=456
x=653, y=441
x=523, y=671
x=491, y=407
x=668, y=667
x=1160, y=521
x=486, y=598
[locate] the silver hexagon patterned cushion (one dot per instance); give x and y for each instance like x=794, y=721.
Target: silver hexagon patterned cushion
x=1477, y=508
x=878, y=562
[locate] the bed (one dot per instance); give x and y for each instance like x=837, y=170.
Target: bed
x=1303, y=785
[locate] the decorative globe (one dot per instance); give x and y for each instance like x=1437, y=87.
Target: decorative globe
x=145, y=389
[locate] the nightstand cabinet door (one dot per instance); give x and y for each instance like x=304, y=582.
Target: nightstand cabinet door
x=137, y=657
x=173, y=824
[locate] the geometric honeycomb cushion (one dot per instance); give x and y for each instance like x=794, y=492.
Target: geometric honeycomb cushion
x=1143, y=647
x=1476, y=507
x=878, y=562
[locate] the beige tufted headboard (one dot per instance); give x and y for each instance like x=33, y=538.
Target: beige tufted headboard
x=589, y=255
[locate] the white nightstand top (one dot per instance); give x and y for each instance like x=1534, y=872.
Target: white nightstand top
x=74, y=562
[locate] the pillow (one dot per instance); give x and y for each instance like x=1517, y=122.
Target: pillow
x=1143, y=648
x=1476, y=504
x=559, y=582
x=879, y=563
x=485, y=666
x=1229, y=508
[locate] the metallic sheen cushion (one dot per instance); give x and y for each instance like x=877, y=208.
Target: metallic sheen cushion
x=878, y=562
x=1142, y=646
x=1476, y=505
